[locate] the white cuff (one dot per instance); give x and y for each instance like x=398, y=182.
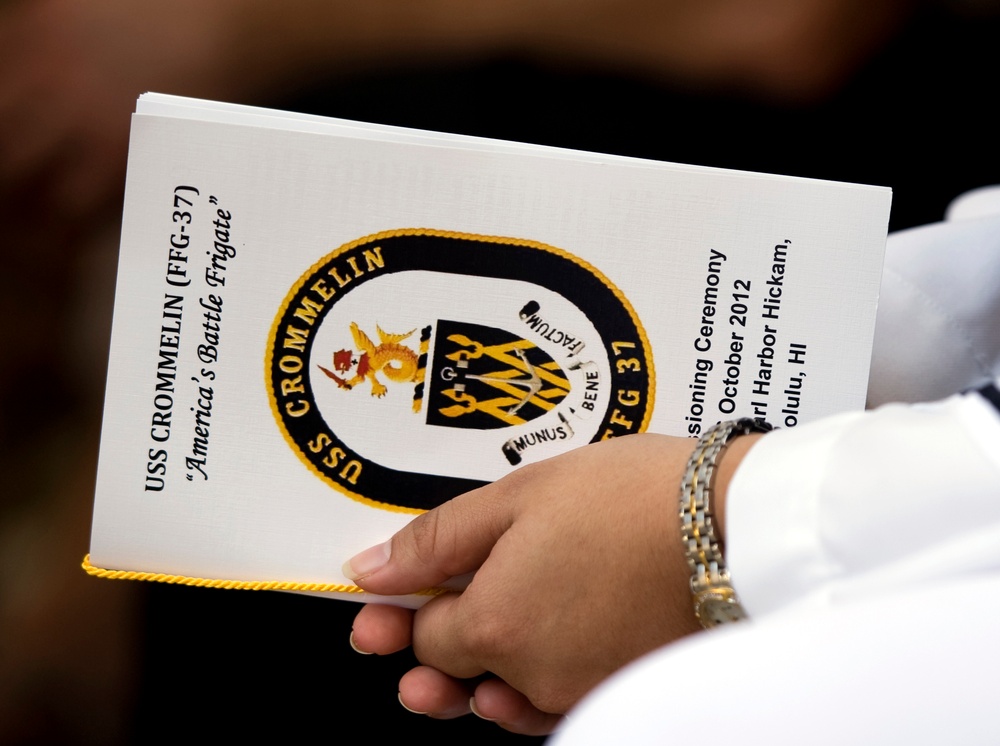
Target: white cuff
x=862, y=503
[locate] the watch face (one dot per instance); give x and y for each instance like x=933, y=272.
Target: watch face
x=718, y=607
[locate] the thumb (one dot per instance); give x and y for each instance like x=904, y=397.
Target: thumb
x=453, y=539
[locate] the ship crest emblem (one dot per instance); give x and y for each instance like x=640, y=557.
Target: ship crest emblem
x=487, y=353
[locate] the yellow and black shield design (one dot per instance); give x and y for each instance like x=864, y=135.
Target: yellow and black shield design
x=483, y=377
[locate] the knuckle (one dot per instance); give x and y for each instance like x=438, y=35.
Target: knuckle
x=425, y=538
x=548, y=696
x=435, y=541
x=521, y=479
x=488, y=638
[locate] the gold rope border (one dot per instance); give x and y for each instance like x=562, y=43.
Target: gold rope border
x=236, y=585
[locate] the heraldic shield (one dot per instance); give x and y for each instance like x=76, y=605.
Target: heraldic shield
x=485, y=378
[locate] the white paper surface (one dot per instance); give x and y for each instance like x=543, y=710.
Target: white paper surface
x=644, y=275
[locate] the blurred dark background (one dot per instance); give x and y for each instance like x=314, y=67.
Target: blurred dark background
x=892, y=93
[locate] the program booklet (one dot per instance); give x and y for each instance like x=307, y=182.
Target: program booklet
x=324, y=327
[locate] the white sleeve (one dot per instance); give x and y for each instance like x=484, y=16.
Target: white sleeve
x=938, y=325
x=914, y=668
x=855, y=504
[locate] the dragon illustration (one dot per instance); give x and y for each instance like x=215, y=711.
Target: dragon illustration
x=397, y=361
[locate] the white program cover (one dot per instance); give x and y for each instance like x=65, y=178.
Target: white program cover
x=323, y=327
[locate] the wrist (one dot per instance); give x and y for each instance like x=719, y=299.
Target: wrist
x=715, y=600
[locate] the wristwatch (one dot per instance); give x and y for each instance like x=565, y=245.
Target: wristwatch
x=715, y=601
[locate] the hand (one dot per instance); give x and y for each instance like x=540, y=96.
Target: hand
x=578, y=569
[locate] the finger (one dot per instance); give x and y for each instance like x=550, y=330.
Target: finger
x=440, y=637
x=382, y=629
x=427, y=691
x=450, y=540
x=497, y=701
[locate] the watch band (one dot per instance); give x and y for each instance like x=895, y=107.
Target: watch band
x=715, y=601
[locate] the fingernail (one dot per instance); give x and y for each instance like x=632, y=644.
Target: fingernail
x=477, y=713
x=368, y=561
x=354, y=645
x=408, y=709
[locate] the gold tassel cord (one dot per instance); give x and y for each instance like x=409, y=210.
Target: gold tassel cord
x=241, y=585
